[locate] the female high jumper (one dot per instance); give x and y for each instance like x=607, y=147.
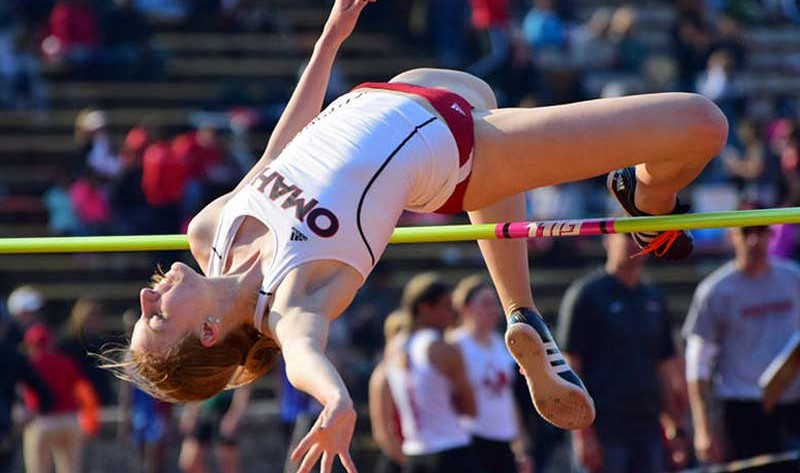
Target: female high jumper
x=285, y=252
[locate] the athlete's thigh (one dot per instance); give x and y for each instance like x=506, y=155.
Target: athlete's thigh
x=520, y=149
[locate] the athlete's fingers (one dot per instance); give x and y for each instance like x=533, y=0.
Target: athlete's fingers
x=311, y=459
x=348, y=462
x=305, y=444
x=327, y=462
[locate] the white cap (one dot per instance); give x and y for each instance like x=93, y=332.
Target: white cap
x=94, y=120
x=24, y=299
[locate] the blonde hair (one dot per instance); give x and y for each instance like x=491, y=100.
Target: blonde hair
x=84, y=308
x=189, y=371
x=466, y=289
x=396, y=323
x=424, y=288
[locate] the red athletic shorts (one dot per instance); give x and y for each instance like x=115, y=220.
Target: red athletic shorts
x=456, y=112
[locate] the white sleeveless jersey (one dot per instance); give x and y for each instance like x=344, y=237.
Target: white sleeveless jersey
x=491, y=373
x=338, y=188
x=424, y=397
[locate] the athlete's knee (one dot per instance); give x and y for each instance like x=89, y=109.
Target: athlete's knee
x=706, y=124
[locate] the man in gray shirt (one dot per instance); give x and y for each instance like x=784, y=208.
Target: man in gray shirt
x=742, y=315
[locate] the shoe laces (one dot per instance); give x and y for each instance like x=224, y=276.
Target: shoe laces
x=660, y=245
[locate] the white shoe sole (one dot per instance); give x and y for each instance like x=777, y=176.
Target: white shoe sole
x=558, y=401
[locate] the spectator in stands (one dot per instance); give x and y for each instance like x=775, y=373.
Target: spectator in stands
x=16, y=371
x=202, y=155
x=543, y=28
x=730, y=39
x=25, y=306
x=691, y=42
x=492, y=20
x=145, y=420
x=630, y=51
x=21, y=84
x=215, y=421
x=57, y=437
x=163, y=183
x=91, y=204
x=61, y=217
x=126, y=36
x=91, y=135
x=499, y=441
x=74, y=37
x=741, y=316
x=589, y=45
x=632, y=372
x=447, y=26
x=753, y=171
x=84, y=334
x=717, y=83
x=428, y=381
x=130, y=211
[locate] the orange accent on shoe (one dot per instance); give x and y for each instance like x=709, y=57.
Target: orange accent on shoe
x=660, y=244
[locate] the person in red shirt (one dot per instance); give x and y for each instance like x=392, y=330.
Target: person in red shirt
x=91, y=204
x=202, y=155
x=56, y=437
x=164, y=178
x=491, y=18
x=74, y=35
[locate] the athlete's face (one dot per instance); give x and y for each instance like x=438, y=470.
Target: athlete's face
x=441, y=314
x=751, y=243
x=484, y=308
x=170, y=310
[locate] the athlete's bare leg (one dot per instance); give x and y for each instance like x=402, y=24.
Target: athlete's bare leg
x=507, y=260
x=670, y=137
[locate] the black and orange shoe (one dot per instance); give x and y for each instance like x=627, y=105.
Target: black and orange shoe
x=557, y=392
x=670, y=245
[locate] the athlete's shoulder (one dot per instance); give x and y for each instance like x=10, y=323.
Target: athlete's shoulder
x=203, y=227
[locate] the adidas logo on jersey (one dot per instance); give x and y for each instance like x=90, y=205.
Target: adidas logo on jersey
x=297, y=235
x=457, y=109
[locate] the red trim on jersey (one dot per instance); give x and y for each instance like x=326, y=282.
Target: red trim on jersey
x=456, y=112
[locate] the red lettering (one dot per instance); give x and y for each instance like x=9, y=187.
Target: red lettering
x=301, y=208
x=280, y=188
x=264, y=180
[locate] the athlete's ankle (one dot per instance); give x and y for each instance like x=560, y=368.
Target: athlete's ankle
x=520, y=314
x=654, y=201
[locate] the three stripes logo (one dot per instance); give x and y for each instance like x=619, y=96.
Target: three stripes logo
x=297, y=235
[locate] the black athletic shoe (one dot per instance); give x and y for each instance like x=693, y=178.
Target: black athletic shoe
x=557, y=392
x=669, y=245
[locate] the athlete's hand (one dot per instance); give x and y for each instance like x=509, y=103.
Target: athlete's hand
x=329, y=436
x=343, y=18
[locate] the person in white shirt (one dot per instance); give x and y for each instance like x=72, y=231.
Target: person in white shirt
x=498, y=438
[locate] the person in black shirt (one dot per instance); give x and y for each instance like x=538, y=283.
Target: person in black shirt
x=615, y=331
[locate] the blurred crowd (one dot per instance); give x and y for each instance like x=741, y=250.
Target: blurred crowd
x=152, y=184
x=537, y=53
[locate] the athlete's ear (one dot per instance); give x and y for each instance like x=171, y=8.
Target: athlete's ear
x=210, y=334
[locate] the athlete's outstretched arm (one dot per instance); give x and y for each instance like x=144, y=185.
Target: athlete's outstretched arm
x=308, y=96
